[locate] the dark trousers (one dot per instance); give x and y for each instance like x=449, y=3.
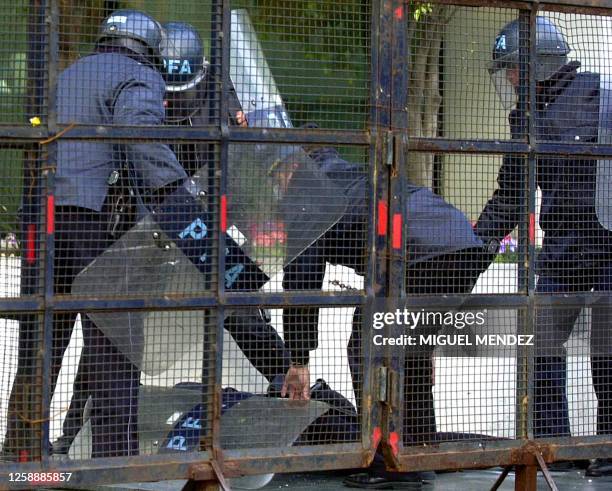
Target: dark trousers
x=553, y=329
x=80, y=236
x=454, y=273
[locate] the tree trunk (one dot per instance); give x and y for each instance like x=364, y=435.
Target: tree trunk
x=424, y=98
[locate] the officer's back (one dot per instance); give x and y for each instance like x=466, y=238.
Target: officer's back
x=113, y=86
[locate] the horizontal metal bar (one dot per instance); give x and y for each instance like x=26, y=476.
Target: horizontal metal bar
x=21, y=132
x=480, y=454
x=321, y=299
x=474, y=455
x=585, y=7
x=194, y=465
x=442, y=145
x=113, y=470
x=466, y=301
x=294, y=459
x=511, y=4
x=583, y=4
x=324, y=299
x=29, y=304
x=581, y=448
x=572, y=149
x=187, y=133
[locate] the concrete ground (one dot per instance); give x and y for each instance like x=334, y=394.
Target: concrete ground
x=478, y=480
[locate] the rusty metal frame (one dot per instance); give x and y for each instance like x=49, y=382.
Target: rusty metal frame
x=385, y=137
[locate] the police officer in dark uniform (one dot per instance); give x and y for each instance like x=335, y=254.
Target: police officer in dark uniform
x=119, y=84
x=444, y=256
x=185, y=73
x=576, y=255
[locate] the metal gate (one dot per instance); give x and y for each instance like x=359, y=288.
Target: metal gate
x=301, y=197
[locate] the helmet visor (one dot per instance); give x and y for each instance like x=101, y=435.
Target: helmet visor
x=506, y=90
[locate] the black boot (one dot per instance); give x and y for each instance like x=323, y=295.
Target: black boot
x=600, y=468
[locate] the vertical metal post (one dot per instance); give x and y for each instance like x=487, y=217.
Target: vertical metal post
x=219, y=72
x=389, y=227
x=396, y=26
x=532, y=184
x=371, y=417
x=525, y=316
x=526, y=477
x=50, y=24
x=35, y=382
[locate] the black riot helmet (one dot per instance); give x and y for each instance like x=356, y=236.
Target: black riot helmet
x=551, y=52
x=133, y=30
x=184, y=70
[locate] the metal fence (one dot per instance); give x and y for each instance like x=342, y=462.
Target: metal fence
x=400, y=208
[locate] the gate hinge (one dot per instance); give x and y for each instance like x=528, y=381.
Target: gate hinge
x=386, y=388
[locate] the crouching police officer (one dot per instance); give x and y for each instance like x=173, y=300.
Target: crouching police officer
x=444, y=257
x=576, y=256
x=187, y=87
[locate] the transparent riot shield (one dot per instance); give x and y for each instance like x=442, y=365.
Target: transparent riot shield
x=166, y=253
x=171, y=419
x=277, y=194
x=282, y=200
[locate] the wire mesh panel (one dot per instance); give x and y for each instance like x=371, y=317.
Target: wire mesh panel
x=460, y=378
x=449, y=94
x=23, y=77
x=319, y=56
x=506, y=75
x=93, y=401
x=209, y=211
x=135, y=203
x=18, y=162
x=22, y=375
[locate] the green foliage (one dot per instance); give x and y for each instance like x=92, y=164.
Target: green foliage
x=421, y=9
x=319, y=54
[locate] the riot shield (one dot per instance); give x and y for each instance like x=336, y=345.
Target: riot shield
x=277, y=194
x=603, y=193
x=166, y=253
x=170, y=421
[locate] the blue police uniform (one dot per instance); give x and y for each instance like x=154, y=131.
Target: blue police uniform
x=444, y=256
x=576, y=250
x=115, y=87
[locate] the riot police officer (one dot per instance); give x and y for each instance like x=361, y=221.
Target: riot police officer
x=188, y=91
x=444, y=257
x=120, y=83
x=570, y=106
x=185, y=72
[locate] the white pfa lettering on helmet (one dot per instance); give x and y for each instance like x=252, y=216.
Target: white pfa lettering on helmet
x=117, y=19
x=182, y=67
x=501, y=42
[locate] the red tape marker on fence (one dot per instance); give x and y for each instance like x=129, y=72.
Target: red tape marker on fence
x=396, y=240
x=376, y=437
x=394, y=442
x=223, y=213
x=383, y=217
x=50, y=214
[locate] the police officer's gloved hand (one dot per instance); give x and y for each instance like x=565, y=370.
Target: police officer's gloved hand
x=490, y=249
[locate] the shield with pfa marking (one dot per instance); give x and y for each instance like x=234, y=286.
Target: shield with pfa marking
x=167, y=253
